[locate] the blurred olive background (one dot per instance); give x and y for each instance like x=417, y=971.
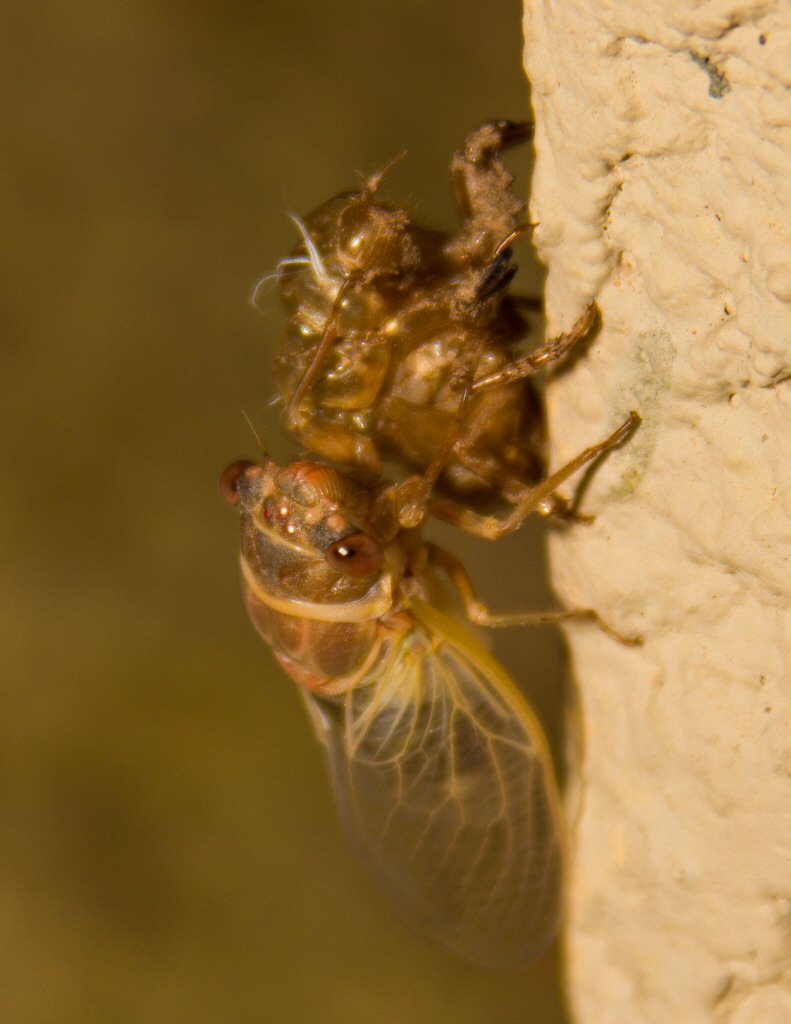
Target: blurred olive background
x=169, y=850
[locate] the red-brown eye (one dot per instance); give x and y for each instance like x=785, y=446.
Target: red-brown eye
x=355, y=555
x=229, y=481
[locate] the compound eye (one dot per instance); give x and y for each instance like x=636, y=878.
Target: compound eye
x=230, y=479
x=355, y=555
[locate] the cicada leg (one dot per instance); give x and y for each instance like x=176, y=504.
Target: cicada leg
x=560, y=507
x=481, y=182
x=328, y=337
x=331, y=440
x=479, y=613
x=514, y=490
x=411, y=498
x=501, y=271
x=535, y=499
x=550, y=352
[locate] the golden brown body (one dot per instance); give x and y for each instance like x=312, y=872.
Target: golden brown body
x=391, y=326
x=440, y=769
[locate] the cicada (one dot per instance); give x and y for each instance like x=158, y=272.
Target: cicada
x=440, y=768
x=402, y=341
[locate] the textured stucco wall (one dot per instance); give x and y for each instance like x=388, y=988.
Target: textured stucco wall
x=663, y=190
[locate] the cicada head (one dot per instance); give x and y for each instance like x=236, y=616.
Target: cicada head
x=374, y=239
x=306, y=541
x=358, y=233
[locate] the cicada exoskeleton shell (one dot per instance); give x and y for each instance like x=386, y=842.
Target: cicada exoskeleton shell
x=392, y=327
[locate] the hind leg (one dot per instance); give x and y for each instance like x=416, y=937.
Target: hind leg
x=535, y=498
x=478, y=613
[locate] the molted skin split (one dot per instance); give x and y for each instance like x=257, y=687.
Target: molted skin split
x=662, y=190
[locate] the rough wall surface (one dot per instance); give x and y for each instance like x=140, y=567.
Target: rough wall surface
x=663, y=190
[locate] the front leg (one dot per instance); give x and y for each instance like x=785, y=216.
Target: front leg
x=483, y=185
x=329, y=336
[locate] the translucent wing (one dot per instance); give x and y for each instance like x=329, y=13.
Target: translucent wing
x=445, y=785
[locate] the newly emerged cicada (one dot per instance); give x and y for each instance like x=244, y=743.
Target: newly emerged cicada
x=401, y=341
x=439, y=767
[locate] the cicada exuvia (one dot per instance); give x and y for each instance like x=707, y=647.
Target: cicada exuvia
x=439, y=767
x=402, y=341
